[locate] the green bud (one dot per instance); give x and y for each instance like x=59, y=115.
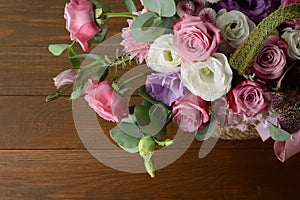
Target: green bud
x=149, y=165
x=146, y=145
x=53, y=96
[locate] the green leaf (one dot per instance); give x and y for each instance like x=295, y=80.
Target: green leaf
x=278, y=134
x=165, y=8
x=126, y=142
x=129, y=4
x=165, y=143
x=142, y=115
x=57, y=49
x=130, y=129
x=72, y=52
x=207, y=131
x=101, y=36
x=274, y=114
x=102, y=5
x=91, y=56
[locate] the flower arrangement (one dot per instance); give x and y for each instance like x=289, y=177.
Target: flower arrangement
x=213, y=63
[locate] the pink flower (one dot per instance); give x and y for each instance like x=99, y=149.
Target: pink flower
x=105, y=101
x=286, y=2
x=247, y=98
x=190, y=7
x=190, y=113
x=65, y=78
x=79, y=15
x=294, y=23
x=196, y=39
x=271, y=60
x=132, y=47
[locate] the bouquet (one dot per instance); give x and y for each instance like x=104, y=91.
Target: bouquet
x=210, y=65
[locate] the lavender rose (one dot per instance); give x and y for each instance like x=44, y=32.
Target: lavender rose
x=270, y=62
x=247, y=98
x=165, y=87
x=191, y=113
x=80, y=22
x=195, y=39
x=256, y=10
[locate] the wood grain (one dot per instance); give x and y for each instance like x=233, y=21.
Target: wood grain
x=224, y=174
x=42, y=156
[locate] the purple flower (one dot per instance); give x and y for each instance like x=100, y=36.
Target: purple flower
x=256, y=10
x=65, y=78
x=165, y=87
x=270, y=62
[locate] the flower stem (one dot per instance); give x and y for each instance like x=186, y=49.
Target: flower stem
x=121, y=14
x=121, y=84
x=56, y=94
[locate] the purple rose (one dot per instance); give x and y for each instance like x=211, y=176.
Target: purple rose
x=256, y=10
x=270, y=62
x=165, y=87
x=190, y=113
x=65, y=78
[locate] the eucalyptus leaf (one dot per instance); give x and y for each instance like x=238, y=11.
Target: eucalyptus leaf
x=131, y=129
x=165, y=8
x=126, y=142
x=102, y=5
x=142, y=115
x=129, y=4
x=278, y=134
x=207, y=131
x=57, y=49
x=101, y=36
x=71, y=53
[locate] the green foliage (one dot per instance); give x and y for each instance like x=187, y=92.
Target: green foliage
x=278, y=134
x=207, y=131
x=101, y=35
x=126, y=142
x=71, y=53
x=165, y=8
x=149, y=26
x=57, y=49
x=102, y=5
x=129, y=4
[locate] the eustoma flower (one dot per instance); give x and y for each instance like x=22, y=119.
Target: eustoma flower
x=271, y=60
x=190, y=113
x=165, y=87
x=65, y=78
x=80, y=22
x=105, y=101
x=247, y=98
x=292, y=37
x=196, y=39
x=210, y=79
x=163, y=56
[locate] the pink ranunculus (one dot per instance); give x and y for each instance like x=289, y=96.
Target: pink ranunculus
x=247, y=98
x=80, y=22
x=190, y=113
x=270, y=62
x=105, y=101
x=293, y=23
x=65, y=78
x=195, y=38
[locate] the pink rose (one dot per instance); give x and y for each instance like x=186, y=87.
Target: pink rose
x=190, y=113
x=270, y=62
x=196, y=39
x=247, y=98
x=105, y=101
x=65, y=78
x=79, y=15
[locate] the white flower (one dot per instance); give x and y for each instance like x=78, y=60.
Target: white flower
x=292, y=37
x=235, y=27
x=210, y=79
x=163, y=56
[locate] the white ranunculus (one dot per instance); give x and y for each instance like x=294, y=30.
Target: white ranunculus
x=163, y=56
x=235, y=27
x=210, y=79
x=292, y=37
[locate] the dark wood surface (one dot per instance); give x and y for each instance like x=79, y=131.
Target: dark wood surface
x=42, y=156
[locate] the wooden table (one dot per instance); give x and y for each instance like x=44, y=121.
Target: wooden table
x=42, y=157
